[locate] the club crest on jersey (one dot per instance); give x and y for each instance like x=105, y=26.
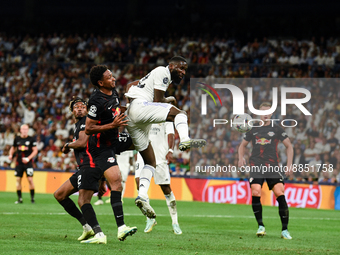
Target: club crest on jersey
x=111, y=160
x=284, y=134
x=27, y=143
x=271, y=133
x=165, y=80
x=93, y=110
x=263, y=141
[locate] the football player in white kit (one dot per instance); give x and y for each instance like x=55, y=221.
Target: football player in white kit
x=147, y=105
x=162, y=138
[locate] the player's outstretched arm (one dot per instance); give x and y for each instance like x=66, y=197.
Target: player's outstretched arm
x=241, y=149
x=78, y=144
x=93, y=128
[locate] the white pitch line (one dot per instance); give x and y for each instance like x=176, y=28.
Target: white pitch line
x=181, y=216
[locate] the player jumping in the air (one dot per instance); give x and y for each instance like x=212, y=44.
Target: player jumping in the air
x=148, y=106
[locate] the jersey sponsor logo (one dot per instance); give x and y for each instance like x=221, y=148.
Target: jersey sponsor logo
x=263, y=141
x=109, y=107
x=165, y=80
x=255, y=133
x=251, y=179
x=93, y=110
x=116, y=112
x=82, y=126
x=271, y=133
x=23, y=148
x=111, y=160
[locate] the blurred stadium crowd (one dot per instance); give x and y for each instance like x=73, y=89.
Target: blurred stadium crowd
x=39, y=75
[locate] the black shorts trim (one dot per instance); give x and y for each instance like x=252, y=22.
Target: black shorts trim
x=271, y=182
x=74, y=179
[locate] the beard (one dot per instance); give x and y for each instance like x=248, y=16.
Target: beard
x=175, y=77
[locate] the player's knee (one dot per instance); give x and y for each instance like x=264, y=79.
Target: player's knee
x=256, y=193
x=58, y=196
x=173, y=113
x=117, y=186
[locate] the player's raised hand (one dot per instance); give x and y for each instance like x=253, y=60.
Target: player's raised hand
x=119, y=121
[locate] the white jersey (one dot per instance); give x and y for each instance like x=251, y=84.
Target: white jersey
x=159, y=78
x=158, y=135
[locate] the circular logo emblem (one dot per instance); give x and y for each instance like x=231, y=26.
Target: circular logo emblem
x=93, y=108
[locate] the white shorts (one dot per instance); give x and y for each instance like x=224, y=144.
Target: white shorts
x=142, y=114
x=162, y=173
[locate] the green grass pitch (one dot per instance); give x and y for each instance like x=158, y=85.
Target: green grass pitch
x=45, y=228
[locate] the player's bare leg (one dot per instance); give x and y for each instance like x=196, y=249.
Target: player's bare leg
x=18, y=186
x=31, y=187
x=278, y=190
x=180, y=120
x=257, y=208
x=114, y=178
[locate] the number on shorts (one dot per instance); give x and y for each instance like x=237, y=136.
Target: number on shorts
x=29, y=171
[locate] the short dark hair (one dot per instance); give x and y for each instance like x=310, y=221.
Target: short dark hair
x=177, y=59
x=96, y=74
x=76, y=100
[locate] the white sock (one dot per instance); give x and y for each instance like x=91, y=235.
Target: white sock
x=100, y=234
x=144, y=180
x=181, y=125
x=87, y=227
x=123, y=185
x=172, y=209
x=121, y=227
